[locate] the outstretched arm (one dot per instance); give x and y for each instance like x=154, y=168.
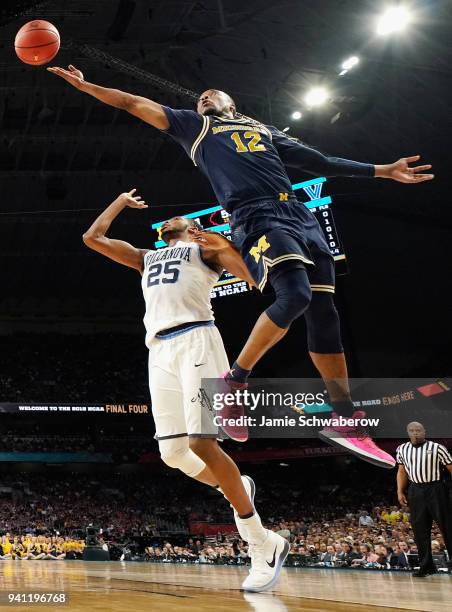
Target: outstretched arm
x=294, y=154
x=220, y=251
x=118, y=250
x=147, y=110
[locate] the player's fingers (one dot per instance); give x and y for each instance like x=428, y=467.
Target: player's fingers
x=421, y=168
x=413, y=158
x=71, y=67
x=132, y=191
x=420, y=178
x=62, y=73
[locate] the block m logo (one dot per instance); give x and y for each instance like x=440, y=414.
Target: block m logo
x=261, y=247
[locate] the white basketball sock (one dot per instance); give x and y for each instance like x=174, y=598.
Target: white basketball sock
x=240, y=526
x=256, y=532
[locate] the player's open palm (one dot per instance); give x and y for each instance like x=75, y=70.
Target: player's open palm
x=72, y=75
x=131, y=200
x=402, y=172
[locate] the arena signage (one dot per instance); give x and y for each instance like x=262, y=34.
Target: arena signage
x=117, y=409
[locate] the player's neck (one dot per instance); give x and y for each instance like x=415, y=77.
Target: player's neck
x=226, y=115
x=184, y=237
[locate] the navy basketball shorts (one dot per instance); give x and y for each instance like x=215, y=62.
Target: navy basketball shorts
x=271, y=233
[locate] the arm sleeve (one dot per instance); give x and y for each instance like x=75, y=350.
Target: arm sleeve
x=296, y=155
x=399, y=456
x=185, y=125
x=444, y=455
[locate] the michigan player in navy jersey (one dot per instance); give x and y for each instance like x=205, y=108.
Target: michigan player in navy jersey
x=184, y=347
x=279, y=238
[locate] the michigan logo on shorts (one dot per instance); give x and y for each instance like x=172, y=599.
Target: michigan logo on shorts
x=260, y=248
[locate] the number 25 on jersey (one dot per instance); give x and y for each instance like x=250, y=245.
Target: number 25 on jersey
x=169, y=271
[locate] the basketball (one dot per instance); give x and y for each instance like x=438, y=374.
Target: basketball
x=37, y=42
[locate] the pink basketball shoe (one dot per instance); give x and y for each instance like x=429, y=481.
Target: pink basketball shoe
x=356, y=440
x=233, y=416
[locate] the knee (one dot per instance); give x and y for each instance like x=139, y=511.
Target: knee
x=176, y=453
x=301, y=296
x=172, y=456
x=322, y=325
x=293, y=296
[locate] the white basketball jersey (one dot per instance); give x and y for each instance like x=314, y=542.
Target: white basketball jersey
x=176, y=287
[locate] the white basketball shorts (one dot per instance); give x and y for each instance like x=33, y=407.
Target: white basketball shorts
x=176, y=367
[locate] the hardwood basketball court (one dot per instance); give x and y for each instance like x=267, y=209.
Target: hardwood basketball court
x=119, y=586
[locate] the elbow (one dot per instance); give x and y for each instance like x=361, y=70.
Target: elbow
x=128, y=102
x=88, y=238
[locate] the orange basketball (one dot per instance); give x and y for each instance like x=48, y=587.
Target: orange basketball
x=37, y=42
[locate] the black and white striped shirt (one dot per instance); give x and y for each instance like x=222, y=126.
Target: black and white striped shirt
x=422, y=462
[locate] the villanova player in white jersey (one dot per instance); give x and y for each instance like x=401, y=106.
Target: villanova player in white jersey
x=184, y=347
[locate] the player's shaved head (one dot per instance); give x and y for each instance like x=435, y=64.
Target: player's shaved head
x=216, y=102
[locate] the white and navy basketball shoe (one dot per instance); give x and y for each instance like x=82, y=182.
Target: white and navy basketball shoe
x=266, y=562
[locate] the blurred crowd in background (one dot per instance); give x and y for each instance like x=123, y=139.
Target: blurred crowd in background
x=149, y=519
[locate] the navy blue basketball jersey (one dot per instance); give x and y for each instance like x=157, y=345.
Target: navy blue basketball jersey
x=245, y=160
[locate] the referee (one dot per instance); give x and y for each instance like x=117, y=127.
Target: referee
x=420, y=462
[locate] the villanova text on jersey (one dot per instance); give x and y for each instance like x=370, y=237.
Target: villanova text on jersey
x=179, y=253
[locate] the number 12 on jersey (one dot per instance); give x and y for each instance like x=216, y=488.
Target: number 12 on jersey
x=252, y=144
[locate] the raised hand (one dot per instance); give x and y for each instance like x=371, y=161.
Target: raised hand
x=72, y=75
x=402, y=172
x=129, y=199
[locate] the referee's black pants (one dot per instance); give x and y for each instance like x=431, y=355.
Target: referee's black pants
x=430, y=502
